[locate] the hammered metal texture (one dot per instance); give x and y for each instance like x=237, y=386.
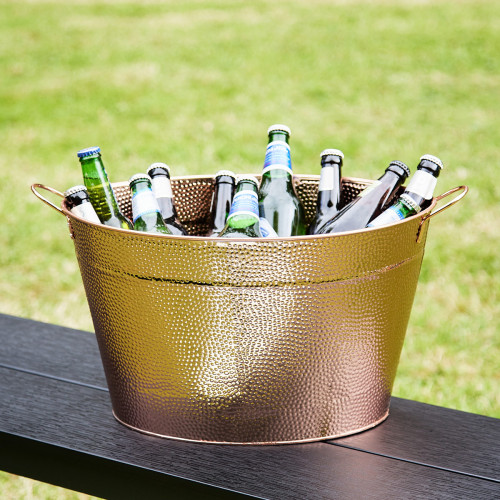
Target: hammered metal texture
x=262, y=341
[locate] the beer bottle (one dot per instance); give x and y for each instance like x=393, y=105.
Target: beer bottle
x=162, y=189
x=100, y=192
x=145, y=209
x=370, y=202
x=278, y=201
x=417, y=195
x=328, y=201
x=78, y=202
x=243, y=218
x=225, y=185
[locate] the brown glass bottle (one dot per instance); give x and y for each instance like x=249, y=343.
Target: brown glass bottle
x=225, y=185
x=328, y=201
x=370, y=202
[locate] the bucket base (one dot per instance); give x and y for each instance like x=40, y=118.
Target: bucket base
x=296, y=441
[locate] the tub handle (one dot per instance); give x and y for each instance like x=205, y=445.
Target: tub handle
x=464, y=190
x=34, y=188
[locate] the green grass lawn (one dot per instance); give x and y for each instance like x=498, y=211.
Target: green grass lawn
x=196, y=84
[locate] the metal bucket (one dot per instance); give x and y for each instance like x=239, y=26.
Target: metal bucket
x=259, y=341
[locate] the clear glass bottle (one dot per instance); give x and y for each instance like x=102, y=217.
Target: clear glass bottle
x=78, y=203
x=370, y=202
x=225, y=186
x=328, y=201
x=99, y=189
x=278, y=201
x=162, y=189
x=418, y=194
x=243, y=219
x=145, y=209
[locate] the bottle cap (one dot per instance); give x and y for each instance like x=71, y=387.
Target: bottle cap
x=163, y=166
x=220, y=173
x=75, y=189
x=433, y=159
x=88, y=152
x=139, y=177
x=281, y=128
x=335, y=152
x=401, y=165
x=251, y=178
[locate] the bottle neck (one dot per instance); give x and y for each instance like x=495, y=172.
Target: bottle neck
x=98, y=186
x=278, y=158
x=329, y=182
x=278, y=135
x=223, y=196
x=421, y=186
x=245, y=206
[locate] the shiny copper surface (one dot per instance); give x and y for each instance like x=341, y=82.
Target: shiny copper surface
x=261, y=341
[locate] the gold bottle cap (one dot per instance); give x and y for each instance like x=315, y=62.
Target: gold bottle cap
x=280, y=127
x=335, y=152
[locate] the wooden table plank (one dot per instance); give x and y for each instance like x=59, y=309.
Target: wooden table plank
x=436, y=436
x=72, y=424
x=415, y=432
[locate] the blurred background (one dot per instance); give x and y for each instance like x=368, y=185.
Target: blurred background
x=195, y=84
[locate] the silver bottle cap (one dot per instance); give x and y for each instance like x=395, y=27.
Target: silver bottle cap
x=137, y=177
x=280, y=127
x=74, y=189
x=335, y=152
x=248, y=178
x=434, y=159
x=225, y=172
x=158, y=165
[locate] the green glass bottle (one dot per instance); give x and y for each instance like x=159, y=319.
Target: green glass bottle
x=328, y=200
x=417, y=195
x=99, y=189
x=145, y=209
x=243, y=219
x=162, y=189
x=278, y=201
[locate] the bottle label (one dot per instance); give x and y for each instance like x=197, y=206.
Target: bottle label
x=162, y=188
x=369, y=188
x=86, y=211
x=422, y=183
x=144, y=203
x=392, y=214
x=277, y=157
x=244, y=203
x=266, y=229
x=326, y=180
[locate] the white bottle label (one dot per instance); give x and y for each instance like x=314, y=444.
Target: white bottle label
x=277, y=157
x=266, y=229
x=327, y=179
x=392, y=214
x=162, y=187
x=86, y=211
x=422, y=183
x=144, y=203
x=245, y=203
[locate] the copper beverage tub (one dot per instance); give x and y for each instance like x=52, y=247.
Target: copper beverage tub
x=258, y=341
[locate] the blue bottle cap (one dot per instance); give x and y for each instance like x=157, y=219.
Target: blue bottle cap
x=88, y=152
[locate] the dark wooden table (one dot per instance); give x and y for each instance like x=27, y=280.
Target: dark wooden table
x=56, y=426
